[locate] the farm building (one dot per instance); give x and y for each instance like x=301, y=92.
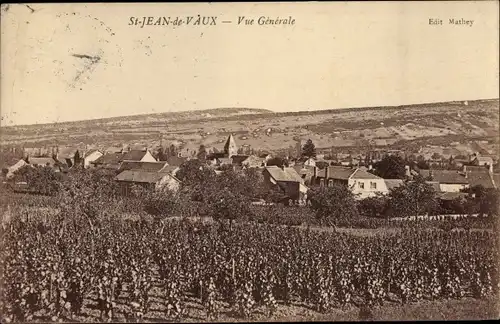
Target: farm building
x=362, y=183
x=288, y=180
x=146, y=179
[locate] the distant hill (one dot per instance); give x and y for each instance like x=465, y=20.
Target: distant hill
x=461, y=124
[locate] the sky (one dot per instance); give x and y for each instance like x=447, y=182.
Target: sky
x=65, y=62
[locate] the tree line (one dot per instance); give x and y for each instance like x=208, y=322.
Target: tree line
x=228, y=196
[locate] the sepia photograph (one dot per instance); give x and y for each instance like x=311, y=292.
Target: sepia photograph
x=249, y=162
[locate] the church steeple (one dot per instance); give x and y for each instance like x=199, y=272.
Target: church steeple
x=230, y=147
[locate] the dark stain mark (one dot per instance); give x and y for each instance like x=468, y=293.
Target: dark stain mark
x=93, y=59
x=5, y=7
x=32, y=10
x=89, y=65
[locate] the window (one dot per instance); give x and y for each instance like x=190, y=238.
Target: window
x=321, y=182
x=373, y=185
x=361, y=185
x=330, y=183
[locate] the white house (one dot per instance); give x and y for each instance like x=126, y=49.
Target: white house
x=361, y=182
x=90, y=157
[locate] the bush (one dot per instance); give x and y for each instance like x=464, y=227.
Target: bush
x=373, y=206
x=333, y=204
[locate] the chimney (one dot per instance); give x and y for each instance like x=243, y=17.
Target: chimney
x=315, y=171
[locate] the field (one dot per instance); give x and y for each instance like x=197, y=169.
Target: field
x=452, y=128
x=79, y=269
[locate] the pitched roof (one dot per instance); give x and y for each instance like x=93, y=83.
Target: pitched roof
x=393, y=183
x=67, y=152
x=363, y=174
x=90, y=152
x=113, y=149
x=445, y=176
x=283, y=175
x=143, y=166
x=175, y=160
x=142, y=176
x=110, y=158
x=134, y=155
x=239, y=159
x=484, y=179
x=304, y=170
x=337, y=172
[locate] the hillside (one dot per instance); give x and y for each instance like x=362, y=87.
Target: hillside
x=452, y=127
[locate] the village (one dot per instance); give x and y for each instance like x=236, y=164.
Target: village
x=293, y=175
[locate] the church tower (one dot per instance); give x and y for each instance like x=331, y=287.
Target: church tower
x=230, y=147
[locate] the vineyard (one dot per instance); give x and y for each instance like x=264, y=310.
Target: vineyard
x=115, y=270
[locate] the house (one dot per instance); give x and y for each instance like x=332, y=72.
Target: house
x=91, y=156
x=146, y=179
x=476, y=159
x=305, y=172
x=361, y=182
x=253, y=161
x=288, y=180
x=42, y=161
x=12, y=169
x=114, y=149
x=394, y=183
x=449, y=180
x=67, y=155
x=266, y=156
